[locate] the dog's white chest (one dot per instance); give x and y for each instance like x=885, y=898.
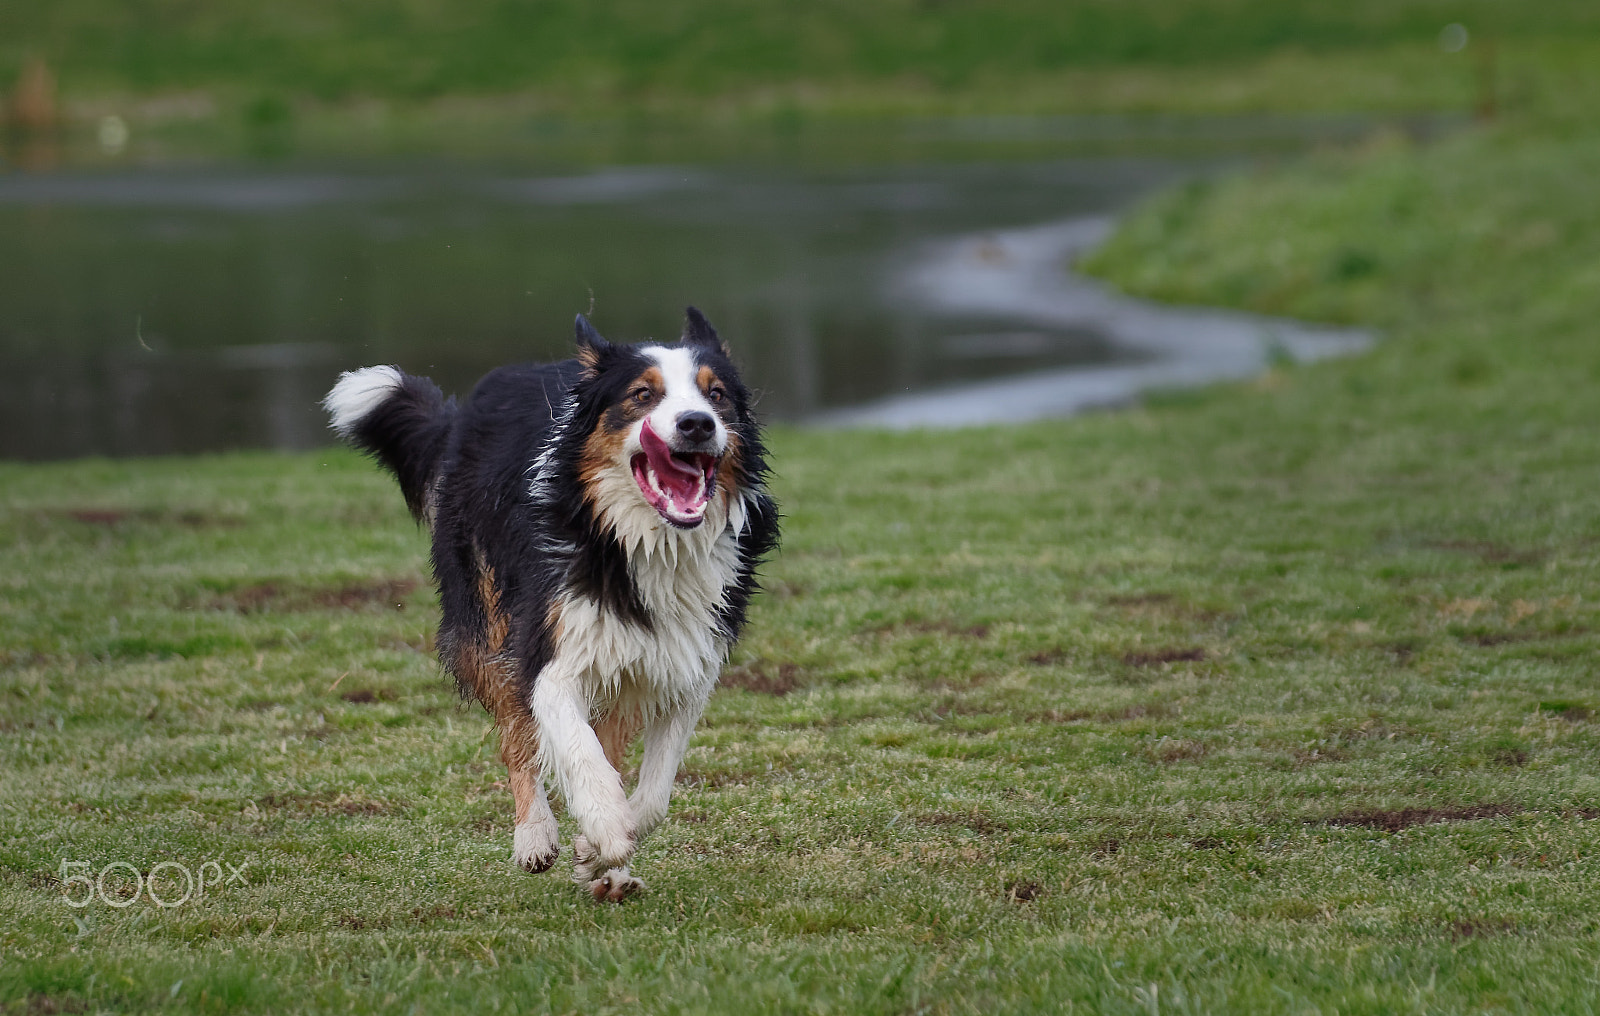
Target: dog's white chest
x=682, y=580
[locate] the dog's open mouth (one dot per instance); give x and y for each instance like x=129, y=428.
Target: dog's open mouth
x=678, y=485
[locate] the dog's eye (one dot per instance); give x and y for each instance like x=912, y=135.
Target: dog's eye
x=716, y=395
x=644, y=393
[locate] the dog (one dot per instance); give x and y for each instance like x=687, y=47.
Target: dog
x=597, y=525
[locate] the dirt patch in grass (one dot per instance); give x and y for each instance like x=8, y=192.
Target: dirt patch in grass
x=265, y=597
x=967, y=631
x=1512, y=758
x=1481, y=927
x=1489, y=638
x=1160, y=657
x=707, y=779
x=1375, y=729
x=1403, y=650
x=938, y=627
x=1047, y=657
x=978, y=821
x=1392, y=821
x=1168, y=751
x=1139, y=599
x=111, y=517
x=763, y=677
x=1133, y=712
x=1160, y=604
x=1319, y=754
x=1572, y=712
x=1490, y=552
x=439, y=912
x=366, y=696
x=327, y=803
x=1024, y=892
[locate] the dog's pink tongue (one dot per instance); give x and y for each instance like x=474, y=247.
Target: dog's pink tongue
x=679, y=480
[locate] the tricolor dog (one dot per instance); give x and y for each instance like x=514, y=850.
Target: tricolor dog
x=596, y=526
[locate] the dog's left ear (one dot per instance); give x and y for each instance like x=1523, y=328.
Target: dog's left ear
x=697, y=331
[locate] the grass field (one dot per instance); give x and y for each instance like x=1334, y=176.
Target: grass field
x=769, y=57
x=1277, y=697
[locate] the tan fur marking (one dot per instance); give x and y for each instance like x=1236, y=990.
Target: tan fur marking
x=498, y=625
x=588, y=360
x=600, y=453
x=602, y=450
x=705, y=377
x=481, y=665
x=524, y=791
x=616, y=731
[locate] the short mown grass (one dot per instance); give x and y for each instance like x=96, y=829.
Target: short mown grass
x=1276, y=697
x=264, y=64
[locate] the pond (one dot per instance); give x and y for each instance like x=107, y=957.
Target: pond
x=188, y=304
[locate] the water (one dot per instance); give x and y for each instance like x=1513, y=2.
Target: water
x=196, y=305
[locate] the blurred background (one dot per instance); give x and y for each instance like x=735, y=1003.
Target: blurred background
x=208, y=210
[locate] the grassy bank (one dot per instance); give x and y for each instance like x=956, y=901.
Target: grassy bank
x=1278, y=697
x=773, y=58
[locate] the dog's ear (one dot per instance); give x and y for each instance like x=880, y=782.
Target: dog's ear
x=591, y=347
x=697, y=331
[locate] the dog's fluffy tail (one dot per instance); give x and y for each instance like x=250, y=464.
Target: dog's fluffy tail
x=401, y=420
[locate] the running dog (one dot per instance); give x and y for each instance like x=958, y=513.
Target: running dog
x=597, y=525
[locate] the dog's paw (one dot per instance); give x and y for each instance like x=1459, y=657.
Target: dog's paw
x=535, y=846
x=586, y=864
x=591, y=856
x=616, y=885
x=607, y=883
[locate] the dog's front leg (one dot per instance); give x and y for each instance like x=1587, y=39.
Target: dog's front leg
x=666, y=738
x=572, y=754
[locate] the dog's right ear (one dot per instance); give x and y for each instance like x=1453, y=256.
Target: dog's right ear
x=591, y=347
x=697, y=331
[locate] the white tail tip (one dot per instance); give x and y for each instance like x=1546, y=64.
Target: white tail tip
x=358, y=393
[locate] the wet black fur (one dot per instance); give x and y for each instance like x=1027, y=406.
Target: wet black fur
x=501, y=474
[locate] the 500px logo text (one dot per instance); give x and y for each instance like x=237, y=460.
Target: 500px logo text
x=167, y=883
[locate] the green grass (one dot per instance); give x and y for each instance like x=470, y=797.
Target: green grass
x=1277, y=697
x=784, y=59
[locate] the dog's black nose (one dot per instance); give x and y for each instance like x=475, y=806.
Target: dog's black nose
x=696, y=426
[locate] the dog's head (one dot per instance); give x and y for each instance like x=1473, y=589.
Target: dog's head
x=667, y=425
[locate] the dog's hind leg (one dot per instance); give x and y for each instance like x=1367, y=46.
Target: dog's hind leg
x=666, y=738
